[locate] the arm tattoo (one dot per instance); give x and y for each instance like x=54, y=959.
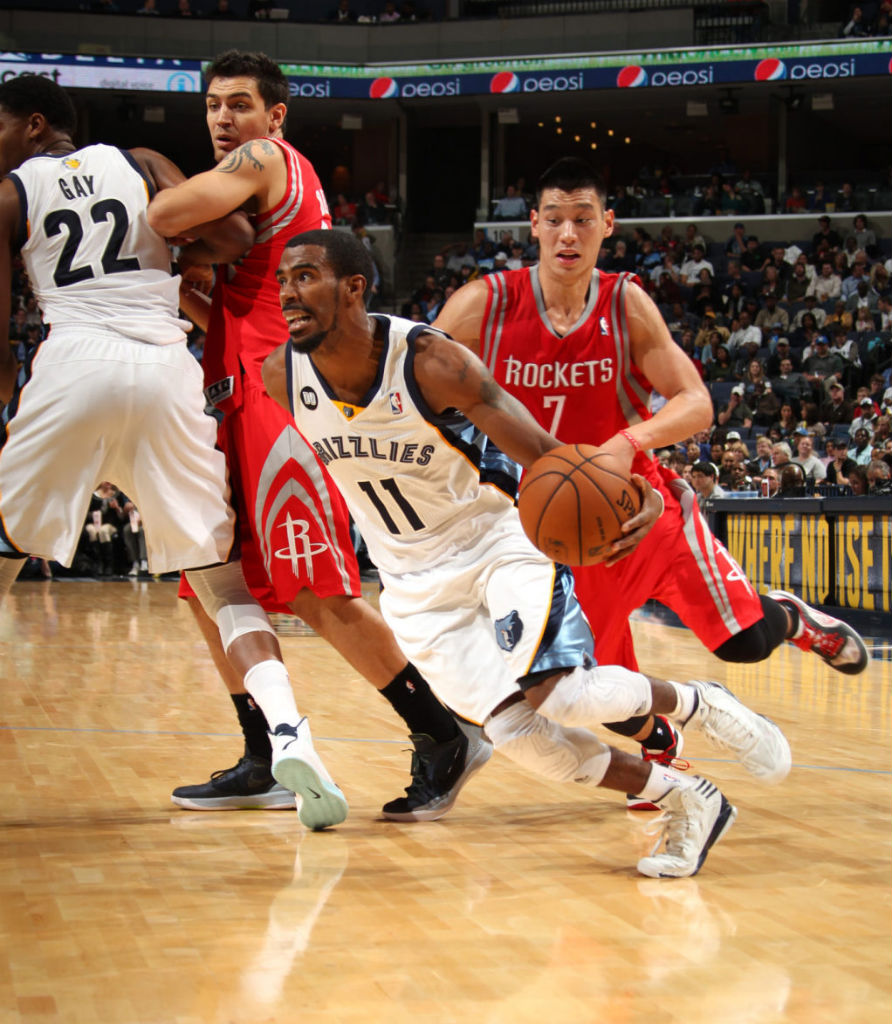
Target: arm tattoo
x=491, y=393
x=246, y=155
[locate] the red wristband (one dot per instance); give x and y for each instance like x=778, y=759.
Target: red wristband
x=631, y=439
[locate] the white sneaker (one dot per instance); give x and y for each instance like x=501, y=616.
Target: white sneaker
x=298, y=767
x=694, y=819
x=754, y=740
x=831, y=639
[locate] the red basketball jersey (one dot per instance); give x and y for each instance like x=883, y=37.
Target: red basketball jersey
x=581, y=387
x=246, y=321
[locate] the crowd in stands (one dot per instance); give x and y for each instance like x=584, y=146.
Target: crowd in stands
x=722, y=191
x=867, y=19
x=793, y=340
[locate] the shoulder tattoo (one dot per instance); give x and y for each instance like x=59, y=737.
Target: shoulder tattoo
x=250, y=154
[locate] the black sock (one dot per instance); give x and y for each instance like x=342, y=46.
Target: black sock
x=661, y=737
x=254, y=726
x=630, y=727
x=413, y=700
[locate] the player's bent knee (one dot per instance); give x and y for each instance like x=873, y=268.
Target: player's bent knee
x=749, y=645
x=591, y=696
x=225, y=597
x=546, y=748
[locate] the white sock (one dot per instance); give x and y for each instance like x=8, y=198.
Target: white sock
x=269, y=685
x=663, y=780
x=687, y=697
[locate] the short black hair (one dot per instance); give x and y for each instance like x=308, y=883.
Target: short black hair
x=706, y=468
x=344, y=252
x=35, y=94
x=271, y=81
x=570, y=173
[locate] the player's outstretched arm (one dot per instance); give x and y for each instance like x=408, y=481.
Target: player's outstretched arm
x=9, y=224
x=244, y=176
x=452, y=377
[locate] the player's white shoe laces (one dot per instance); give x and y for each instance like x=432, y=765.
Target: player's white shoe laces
x=694, y=819
x=754, y=740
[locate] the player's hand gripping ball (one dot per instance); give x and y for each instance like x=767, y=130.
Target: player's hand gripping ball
x=573, y=503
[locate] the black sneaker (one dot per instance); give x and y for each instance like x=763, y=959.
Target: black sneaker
x=247, y=785
x=439, y=770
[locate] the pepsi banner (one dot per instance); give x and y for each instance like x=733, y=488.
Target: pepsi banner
x=654, y=69
x=657, y=69
x=146, y=74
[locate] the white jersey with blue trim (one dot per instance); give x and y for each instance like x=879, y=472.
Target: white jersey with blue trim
x=91, y=256
x=421, y=486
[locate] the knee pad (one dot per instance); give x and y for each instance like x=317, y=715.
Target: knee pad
x=546, y=748
x=591, y=696
x=225, y=597
x=757, y=641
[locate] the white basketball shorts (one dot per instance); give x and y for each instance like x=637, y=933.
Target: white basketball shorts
x=100, y=406
x=490, y=615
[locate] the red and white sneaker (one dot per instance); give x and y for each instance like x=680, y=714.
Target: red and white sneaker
x=831, y=639
x=668, y=756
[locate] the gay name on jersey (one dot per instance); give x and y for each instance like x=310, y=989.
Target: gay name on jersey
x=80, y=187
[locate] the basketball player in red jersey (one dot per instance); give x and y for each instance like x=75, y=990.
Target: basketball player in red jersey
x=583, y=350
x=296, y=546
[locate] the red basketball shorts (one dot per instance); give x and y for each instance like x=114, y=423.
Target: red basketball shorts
x=681, y=565
x=294, y=525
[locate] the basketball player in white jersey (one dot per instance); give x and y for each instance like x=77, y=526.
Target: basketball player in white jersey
x=116, y=395
x=295, y=542
x=406, y=419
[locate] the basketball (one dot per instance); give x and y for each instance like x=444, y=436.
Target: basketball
x=573, y=503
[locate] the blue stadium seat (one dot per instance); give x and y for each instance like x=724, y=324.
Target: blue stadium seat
x=720, y=391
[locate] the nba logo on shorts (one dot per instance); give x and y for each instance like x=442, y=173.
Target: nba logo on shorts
x=770, y=70
x=631, y=76
x=396, y=403
x=308, y=398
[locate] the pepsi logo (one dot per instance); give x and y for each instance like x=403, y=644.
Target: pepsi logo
x=631, y=76
x=383, y=89
x=770, y=70
x=504, y=81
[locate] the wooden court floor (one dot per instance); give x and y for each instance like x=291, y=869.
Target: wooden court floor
x=523, y=905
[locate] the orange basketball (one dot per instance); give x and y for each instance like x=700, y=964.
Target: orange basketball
x=573, y=502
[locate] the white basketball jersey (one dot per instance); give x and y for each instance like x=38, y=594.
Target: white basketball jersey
x=90, y=254
x=420, y=486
